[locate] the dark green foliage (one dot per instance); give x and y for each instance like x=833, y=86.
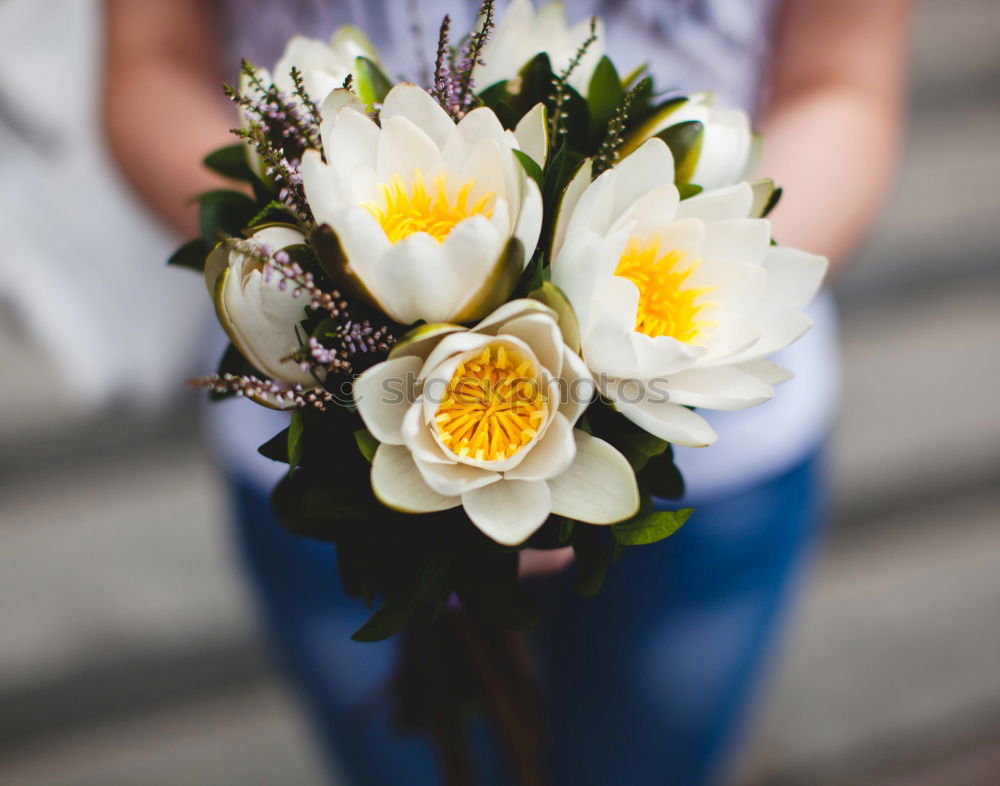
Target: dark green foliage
x=191, y=255
x=224, y=213
x=231, y=162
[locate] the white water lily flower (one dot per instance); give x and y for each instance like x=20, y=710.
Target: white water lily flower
x=729, y=152
x=483, y=418
x=324, y=65
x=523, y=33
x=430, y=220
x=679, y=303
x=257, y=313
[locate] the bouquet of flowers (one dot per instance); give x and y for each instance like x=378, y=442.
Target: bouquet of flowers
x=491, y=304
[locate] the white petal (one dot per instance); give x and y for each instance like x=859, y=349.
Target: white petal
x=723, y=387
x=452, y=478
x=739, y=240
x=509, y=511
x=593, y=210
x=719, y=204
x=323, y=187
x=550, y=456
x=511, y=310
x=541, y=332
x=767, y=371
x=645, y=170
x=671, y=422
x=778, y=329
x=403, y=148
x=568, y=202
x=398, y=484
x=650, y=212
x=383, y=394
x=577, y=385
x=599, y=487
x=416, y=431
x=350, y=139
x=414, y=280
x=793, y=276
x=532, y=134
x=529, y=220
x=414, y=103
x=277, y=237
x=330, y=117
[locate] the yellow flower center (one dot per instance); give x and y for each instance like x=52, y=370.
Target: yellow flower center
x=666, y=306
x=492, y=407
x=404, y=210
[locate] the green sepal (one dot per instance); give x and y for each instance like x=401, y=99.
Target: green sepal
x=651, y=527
x=553, y=297
x=498, y=286
x=230, y=162
x=295, y=439
x=685, y=141
x=370, y=83
x=191, y=255
x=688, y=190
x=530, y=167
x=366, y=443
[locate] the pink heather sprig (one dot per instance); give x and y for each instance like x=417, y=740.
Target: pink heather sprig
x=279, y=264
x=285, y=173
x=287, y=119
x=472, y=55
x=254, y=387
x=445, y=88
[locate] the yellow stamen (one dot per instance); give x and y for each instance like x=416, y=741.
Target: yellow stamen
x=404, y=210
x=666, y=306
x=491, y=407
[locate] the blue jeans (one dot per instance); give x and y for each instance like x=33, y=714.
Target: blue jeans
x=647, y=684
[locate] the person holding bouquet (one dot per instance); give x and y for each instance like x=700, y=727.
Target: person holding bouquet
x=649, y=682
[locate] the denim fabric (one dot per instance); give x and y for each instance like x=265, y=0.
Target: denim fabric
x=648, y=683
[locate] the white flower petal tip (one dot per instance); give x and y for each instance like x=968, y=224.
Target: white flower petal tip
x=509, y=511
x=398, y=485
x=599, y=487
x=532, y=134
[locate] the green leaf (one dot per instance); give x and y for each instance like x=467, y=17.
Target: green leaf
x=684, y=140
x=651, y=527
x=224, y=213
x=531, y=167
x=604, y=95
x=662, y=478
x=367, y=444
x=688, y=190
x=295, y=439
x=397, y=611
x=370, y=83
x=276, y=448
x=231, y=162
x=191, y=255
x=390, y=619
